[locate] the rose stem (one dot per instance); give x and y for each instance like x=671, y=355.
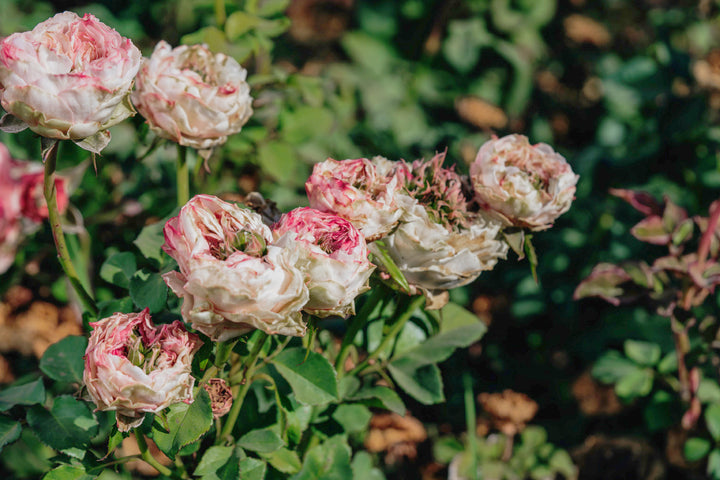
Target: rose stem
x=238, y=400
x=50, y=159
x=220, y=14
x=183, y=177
x=147, y=456
x=390, y=337
x=471, y=423
x=681, y=347
x=357, y=323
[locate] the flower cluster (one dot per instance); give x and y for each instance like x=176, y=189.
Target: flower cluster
x=22, y=204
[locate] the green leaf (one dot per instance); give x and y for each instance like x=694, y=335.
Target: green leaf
x=109, y=307
x=531, y=256
x=709, y=391
x=388, y=264
x=362, y=467
x=148, y=289
x=252, y=469
x=63, y=361
x=447, y=448
x=696, y=448
x=313, y=381
x=562, y=462
x=352, y=417
x=643, y=353
x=329, y=460
x=422, y=382
x=612, y=366
x=669, y=364
x=69, y=423
x=712, y=419
x=462, y=47
x=262, y=441
x=150, y=242
x=713, y=466
x=68, y=472
x=284, y=460
x=118, y=269
x=279, y=160
x=662, y=411
x=239, y=23
x=268, y=8
x=380, y=397
x=186, y=423
x=27, y=394
x=370, y=53
x=636, y=384
x=9, y=430
x=218, y=463
x=305, y=123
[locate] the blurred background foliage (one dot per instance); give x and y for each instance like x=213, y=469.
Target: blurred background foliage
x=627, y=90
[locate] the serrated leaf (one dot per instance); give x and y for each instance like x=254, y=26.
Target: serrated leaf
x=109, y=307
x=696, y=448
x=63, y=361
x=150, y=242
x=218, y=463
x=27, y=394
x=9, y=430
x=362, y=467
x=148, y=289
x=313, y=380
x=252, y=469
x=262, y=441
x=381, y=397
x=352, y=417
x=422, y=382
x=68, y=472
x=329, y=460
x=643, y=353
x=118, y=269
x=285, y=461
x=69, y=423
x=712, y=419
x=186, y=424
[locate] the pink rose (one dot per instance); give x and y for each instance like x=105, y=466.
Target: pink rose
x=192, y=96
x=524, y=185
x=332, y=254
x=68, y=78
x=231, y=279
x=29, y=176
x=362, y=191
x=10, y=212
x=133, y=367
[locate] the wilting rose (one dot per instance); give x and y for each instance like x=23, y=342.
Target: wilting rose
x=68, y=78
x=29, y=176
x=362, y=191
x=231, y=279
x=221, y=398
x=192, y=96
x=333, y=255
x=10, y=212
x=526, y=185
x=133, y=367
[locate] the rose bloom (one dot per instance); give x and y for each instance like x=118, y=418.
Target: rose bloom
x=133, y=367
x=192, y=96
x=525, y=185
x=231, y=279
x=362, y=191
x=332, y=254
x=11, y=228
x=68, y=78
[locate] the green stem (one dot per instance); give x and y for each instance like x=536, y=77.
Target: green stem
x=54, y=218
x=147, y=456
x=471, y=423
x=356, y=324
x=238, y=400
x=220, y=13
x=183, y=177
x=390, y=337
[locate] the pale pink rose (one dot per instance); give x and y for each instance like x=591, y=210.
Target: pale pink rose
x=192, y=96
x=362, y=191
x=30, y=177
x=11, y=228
x=133, y=367
x=68, y=78
x=525, y=185
x=231, y=279
x=333, y=255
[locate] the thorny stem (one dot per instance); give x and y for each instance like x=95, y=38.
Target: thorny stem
x=247, y=374
x=183, y=177
x=147, y=456
x=50, y=192
x=357, y=323
x=681, y=340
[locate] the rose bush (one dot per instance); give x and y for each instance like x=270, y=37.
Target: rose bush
x=133, y=367
x=525, y=185
x=333, y=255
x=231, y=279
x=192, y=96
x=68, y=78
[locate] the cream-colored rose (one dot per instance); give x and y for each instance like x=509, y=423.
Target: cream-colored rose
x=525, y=185
x=332, y=254
x=231, y=279
x=192, y=96
x=68, y=78
x=133, y=367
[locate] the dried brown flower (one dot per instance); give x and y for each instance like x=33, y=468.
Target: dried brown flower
x=397, y=436
x=509, y=411
x=582, y=29
x=594, y=398
x=221, y=397
x=480, y=113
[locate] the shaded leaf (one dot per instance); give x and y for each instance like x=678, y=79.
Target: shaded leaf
x=118, y=269
x=261, y=441
x=148, y=289
x=313, y=380
x=63, y=361
x=27, y=394
x=422, y=382
x=69, y=423
x=185, y=423
x=643, y=353
x=9, y=430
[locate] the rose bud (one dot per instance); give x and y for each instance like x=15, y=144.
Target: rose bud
x=231, y=279
x=68, y=78
x=332, y=254
x=362, y=191
x=133, y=367
x=524, y=185
x=192, y=96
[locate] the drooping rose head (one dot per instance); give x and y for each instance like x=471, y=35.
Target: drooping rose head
x=231, y=278
x=69, y=78
x=333, y=255
x=192, y=96
x=527, y=185
x=362, y=191
x=134, y=367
